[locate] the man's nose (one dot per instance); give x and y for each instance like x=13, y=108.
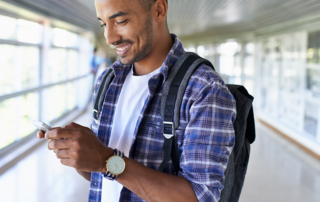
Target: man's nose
x=111, y=35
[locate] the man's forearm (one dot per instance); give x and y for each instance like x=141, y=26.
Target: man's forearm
x=154, y=186
x=86, y=175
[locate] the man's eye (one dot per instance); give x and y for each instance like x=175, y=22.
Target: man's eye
x=119, y=23
x=103, y=25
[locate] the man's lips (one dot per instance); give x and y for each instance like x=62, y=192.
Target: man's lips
x=123, y=48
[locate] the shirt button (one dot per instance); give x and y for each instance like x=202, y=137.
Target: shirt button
x=95, y=184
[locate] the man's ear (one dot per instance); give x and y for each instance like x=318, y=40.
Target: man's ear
x=161, y=7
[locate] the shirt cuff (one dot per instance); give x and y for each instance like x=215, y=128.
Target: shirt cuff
x=205, y=193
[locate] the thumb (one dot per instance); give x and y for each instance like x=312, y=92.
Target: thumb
x=40, y=134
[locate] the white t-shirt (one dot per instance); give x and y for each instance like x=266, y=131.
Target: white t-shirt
x=132, y=98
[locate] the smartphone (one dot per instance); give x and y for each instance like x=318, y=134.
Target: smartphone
x=41, y=126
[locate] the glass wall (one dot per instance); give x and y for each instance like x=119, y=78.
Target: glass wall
x=39, y=81
x=312, y=86
x=282, y=72
x=282, y=82
x=233, y=60
x=290, y=82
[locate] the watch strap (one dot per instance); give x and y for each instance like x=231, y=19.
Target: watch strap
x=118, y=153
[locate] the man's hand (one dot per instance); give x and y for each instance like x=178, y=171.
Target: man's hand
x=78, y=147
x=83, y=150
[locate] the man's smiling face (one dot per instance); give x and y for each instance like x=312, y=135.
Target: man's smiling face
x=128, y=27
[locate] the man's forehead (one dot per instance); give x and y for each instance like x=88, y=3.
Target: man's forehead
x=108, y=8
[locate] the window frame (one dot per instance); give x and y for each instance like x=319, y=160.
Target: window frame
x=45, y=43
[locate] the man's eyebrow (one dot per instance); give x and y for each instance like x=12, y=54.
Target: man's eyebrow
x=117, y=15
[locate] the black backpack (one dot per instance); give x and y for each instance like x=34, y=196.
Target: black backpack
x=173, y=91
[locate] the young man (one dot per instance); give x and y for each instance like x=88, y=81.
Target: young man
x=131, y=121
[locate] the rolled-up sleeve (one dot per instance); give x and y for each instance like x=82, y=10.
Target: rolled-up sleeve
x=208, y=140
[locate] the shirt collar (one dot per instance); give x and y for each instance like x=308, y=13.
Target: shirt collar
x=174, y=54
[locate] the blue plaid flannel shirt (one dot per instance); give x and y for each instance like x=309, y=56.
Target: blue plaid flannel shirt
x=205, y=136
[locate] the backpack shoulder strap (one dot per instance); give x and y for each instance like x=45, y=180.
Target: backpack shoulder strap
x=176, y=84
x=172, y=95
x=101, y=93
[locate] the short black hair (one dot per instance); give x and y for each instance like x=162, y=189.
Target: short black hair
x=147, y=4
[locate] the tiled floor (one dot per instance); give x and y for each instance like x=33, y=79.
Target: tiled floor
x=41, y=178
x=278, y=172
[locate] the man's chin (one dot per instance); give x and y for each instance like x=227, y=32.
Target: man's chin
x=126, y=61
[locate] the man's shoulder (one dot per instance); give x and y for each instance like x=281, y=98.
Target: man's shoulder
x=204, y=76
x=206, y=82
x=207, y=86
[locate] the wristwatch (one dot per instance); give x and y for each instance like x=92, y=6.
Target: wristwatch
x=115, y=165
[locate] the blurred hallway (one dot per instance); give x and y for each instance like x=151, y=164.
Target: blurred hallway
x=50, y=52
x=278, y=171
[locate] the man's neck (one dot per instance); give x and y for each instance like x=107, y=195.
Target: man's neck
x=157, y=56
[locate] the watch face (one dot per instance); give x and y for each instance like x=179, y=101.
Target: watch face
x=115, y=165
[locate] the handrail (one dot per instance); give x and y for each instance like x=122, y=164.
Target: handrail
x=18, y=43
x=67, y=48
x=16, y=94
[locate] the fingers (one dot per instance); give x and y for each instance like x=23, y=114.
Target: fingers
x=60, y=144
x=61, y=133
x=70, y=131
x=54, y=150
x=76, y=126
x=68, y=162
x=40, y=134
x=63, y=154
x=73, y=125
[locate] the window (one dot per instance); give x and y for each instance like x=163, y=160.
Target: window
x=7, y=66
x=36, y=84
x=230, y=62
x=29, y=32
x=16, y=116
x=20, y=30
x=64, y=38
x=8, y=28
x=19, y=66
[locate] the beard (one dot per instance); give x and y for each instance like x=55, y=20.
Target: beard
x=147, y=30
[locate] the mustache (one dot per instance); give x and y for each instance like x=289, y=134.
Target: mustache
x=122, y=41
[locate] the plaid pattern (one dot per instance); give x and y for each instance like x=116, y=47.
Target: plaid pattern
x=205, y=135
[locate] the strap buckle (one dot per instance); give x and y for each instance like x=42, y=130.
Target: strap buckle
x=96, y=116
x=168, y=129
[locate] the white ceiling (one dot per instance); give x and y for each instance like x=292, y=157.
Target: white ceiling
x=189, y=18
x=214, y=17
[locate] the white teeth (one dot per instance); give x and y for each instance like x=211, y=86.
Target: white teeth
x=123, y=48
